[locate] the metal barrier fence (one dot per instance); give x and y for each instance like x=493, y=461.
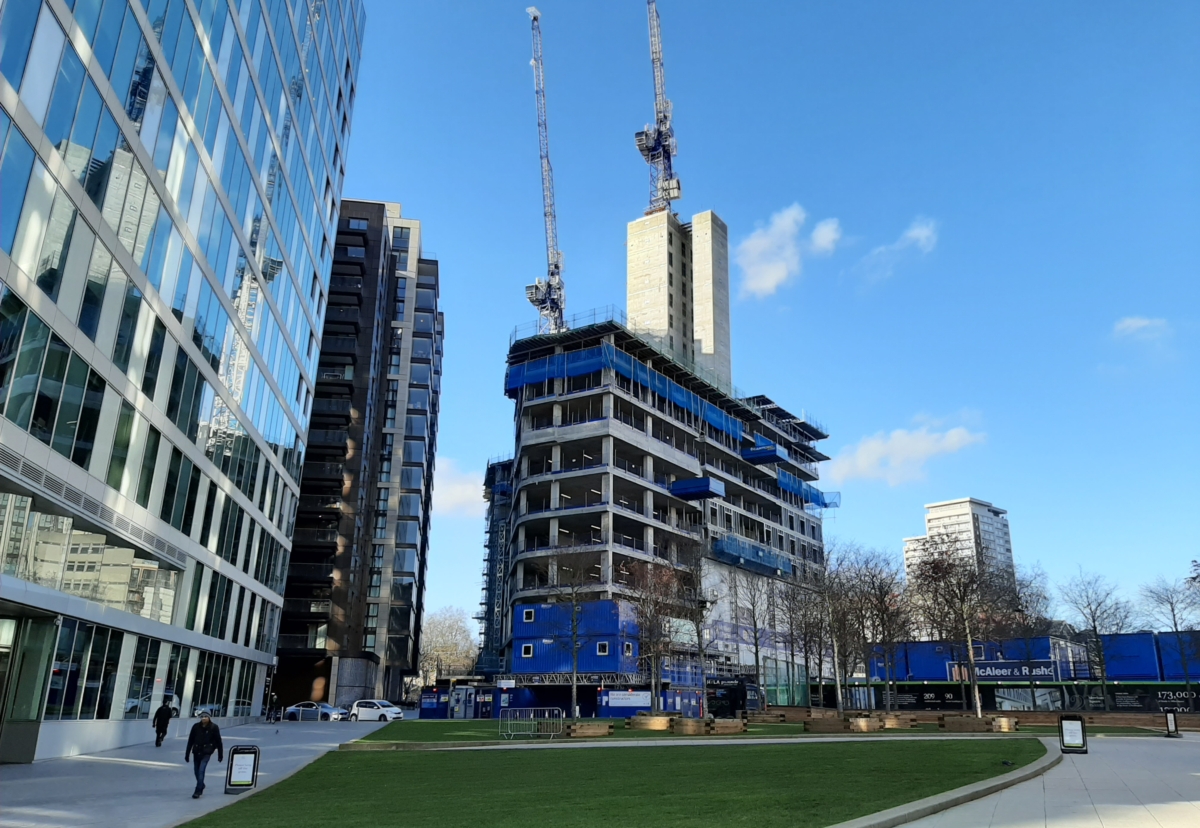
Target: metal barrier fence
x=531, y=721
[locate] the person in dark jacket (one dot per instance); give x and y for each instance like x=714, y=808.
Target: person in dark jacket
x=203, y=741
x=162, y=720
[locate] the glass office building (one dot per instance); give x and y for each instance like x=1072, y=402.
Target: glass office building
x=170, y=179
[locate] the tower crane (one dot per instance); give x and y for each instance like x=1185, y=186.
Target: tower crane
x=657, y=141
x=548, y=295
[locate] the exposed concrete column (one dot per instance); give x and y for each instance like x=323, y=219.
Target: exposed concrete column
x=649, y=424
x=606, y=450
x=524, y=466
x=606, y=524
x=522, y=503
x=520, y=574
x=554, y=492
x=606, y=488
x=648, y=539
x=554, y=531
x=606, y=406
x=521, y=538
x=648, y=467
x=557, y=416
x=556, y=458
x=606, y=566
x=552, y=574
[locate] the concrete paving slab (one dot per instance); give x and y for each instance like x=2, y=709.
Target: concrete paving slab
x=142, y=786
x=1121, y=783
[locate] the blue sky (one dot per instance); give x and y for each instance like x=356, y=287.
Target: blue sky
x=966, y=240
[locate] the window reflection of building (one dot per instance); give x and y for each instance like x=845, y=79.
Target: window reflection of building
x=46, y=550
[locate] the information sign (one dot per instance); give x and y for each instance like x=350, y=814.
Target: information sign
x=1173, y=725
x=1072, y=734
x=241, y=771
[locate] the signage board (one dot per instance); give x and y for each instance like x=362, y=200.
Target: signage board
x=506, y=684
x=241, y=771
x=1004, y=671
x=629, y=698
x=1173, y=725
x=1072, y=734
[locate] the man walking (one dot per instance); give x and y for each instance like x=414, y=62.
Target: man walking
x=204, y=739
x=162, y=720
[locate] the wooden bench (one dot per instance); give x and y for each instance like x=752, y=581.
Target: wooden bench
x=893, y=721
x=864, y=724
x=689, y=727
x=759, y=717
x=826, y=725
x=583, y=730
x=966, y=724
x=724, y=727
x=649, y=722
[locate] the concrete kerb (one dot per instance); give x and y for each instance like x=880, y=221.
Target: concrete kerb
x=913, y=811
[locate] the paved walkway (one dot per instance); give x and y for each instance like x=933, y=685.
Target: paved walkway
x=1131, y=782
x=147, y=787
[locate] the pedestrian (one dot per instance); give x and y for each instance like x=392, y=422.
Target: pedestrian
x=203, y=741
x=162, y=720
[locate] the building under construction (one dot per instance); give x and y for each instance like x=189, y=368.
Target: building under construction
x=633, y=451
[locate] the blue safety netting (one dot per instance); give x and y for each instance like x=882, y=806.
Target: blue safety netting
x=578, y=363
x=808, y=494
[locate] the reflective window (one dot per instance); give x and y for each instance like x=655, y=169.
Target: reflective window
x=141, y=677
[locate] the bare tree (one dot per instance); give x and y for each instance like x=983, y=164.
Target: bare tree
x=880, y=588
x=656, y=597
x=1099, y=610
x=571, y=590
x=751, y=601
x=1024, y=616
x=1175, y=606
x=449, y=643
x=697, y=605
x=958, y=593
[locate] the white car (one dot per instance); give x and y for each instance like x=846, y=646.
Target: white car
x=375, y=710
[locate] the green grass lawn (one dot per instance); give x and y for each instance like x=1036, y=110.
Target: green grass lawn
x=804, y=785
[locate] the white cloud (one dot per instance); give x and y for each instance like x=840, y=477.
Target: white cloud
x=880, y=263
x=770, y=255
x=901, y=456
x=457, y=493
x=825, y=236
x=1142, y=328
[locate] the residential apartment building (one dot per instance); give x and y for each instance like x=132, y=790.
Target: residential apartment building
x=354, y=597
x=170, y=175
x=978, y=528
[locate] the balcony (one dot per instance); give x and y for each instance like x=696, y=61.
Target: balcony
x=346, y=288
x=328, y=437
x=310, y=572
x=307, y=606
x=320, y=504
x=344, y=316
x=337, y=409
x=301, y=641
x=327, y=472
x=339, y=345
x=314, y=537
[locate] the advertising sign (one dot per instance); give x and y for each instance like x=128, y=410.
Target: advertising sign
x=241, y=772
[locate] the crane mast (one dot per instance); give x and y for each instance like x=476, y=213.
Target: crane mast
x=547, y=295
x=657, y=141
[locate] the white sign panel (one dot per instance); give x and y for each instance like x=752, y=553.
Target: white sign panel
x=241, y=769
x=629, y=698
x=1072, y=733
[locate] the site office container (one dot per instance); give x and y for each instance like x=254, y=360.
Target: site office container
x=930, y=660
x=597, y=654
x=619, y=703
x=1172, y=660
x=1131, y=657
x=550, y=620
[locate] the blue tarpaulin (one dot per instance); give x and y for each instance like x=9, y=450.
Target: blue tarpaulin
x=578, y=363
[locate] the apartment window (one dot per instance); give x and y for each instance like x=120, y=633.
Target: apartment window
x=369, y=641
x=358, y=224
x=601, y=648
x=381, y=499
x=526, y=651
x=527, y=615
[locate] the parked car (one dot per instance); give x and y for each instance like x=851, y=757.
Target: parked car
x=375, y=709
x=214, y=710
x=141, y=709
x=316, y=711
